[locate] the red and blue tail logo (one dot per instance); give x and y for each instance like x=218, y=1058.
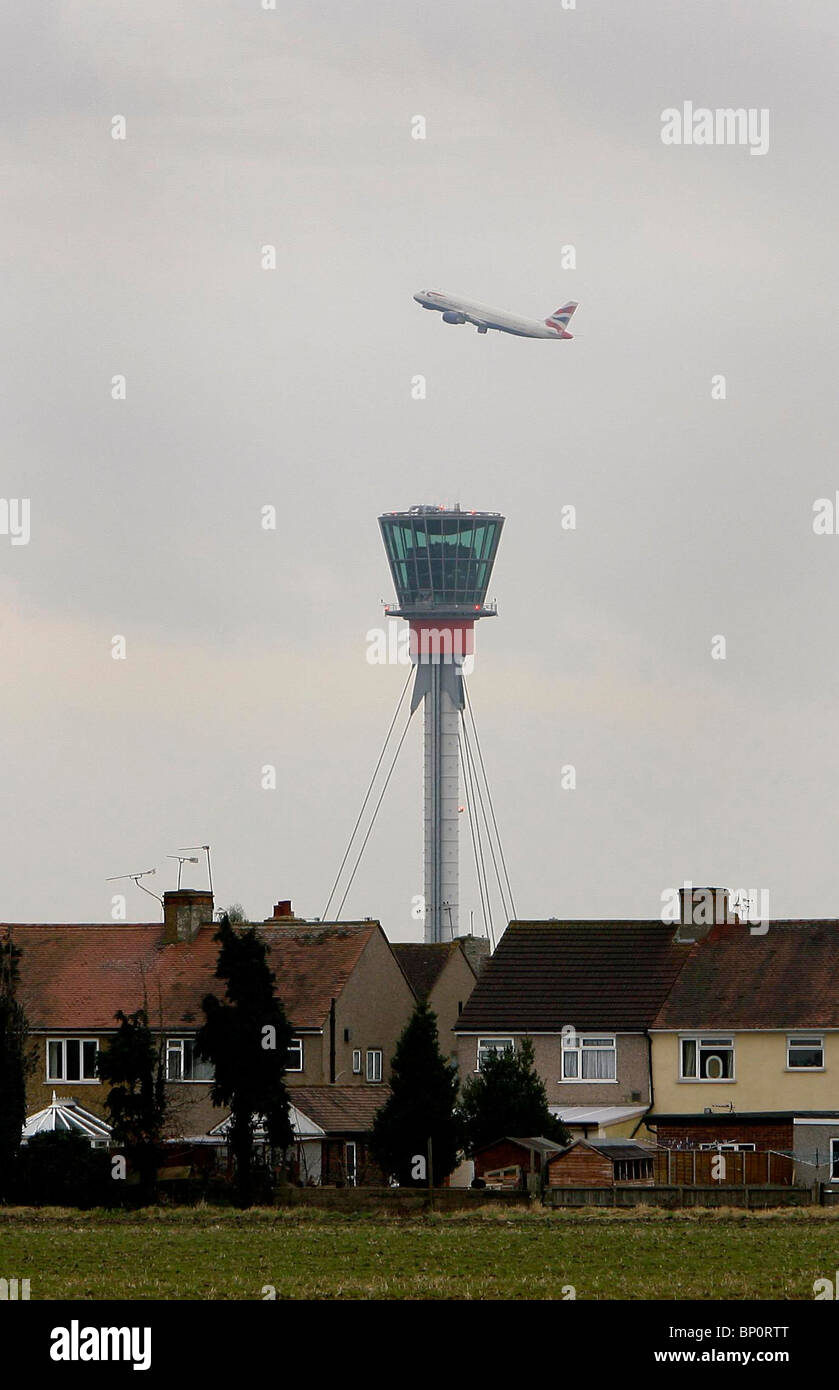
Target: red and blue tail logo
x=561, y=318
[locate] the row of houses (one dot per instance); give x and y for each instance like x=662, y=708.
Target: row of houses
x=709, y=1037
x=652, y=1039
x=347, y=992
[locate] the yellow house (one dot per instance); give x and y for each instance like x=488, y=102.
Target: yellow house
x=745, y=1049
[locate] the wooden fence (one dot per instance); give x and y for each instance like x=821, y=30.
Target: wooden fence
x=723, y=1168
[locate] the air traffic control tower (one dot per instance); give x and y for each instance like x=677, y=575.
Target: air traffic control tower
x=441, y=560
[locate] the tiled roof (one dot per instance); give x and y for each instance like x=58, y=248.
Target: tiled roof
x=76, y=977
x=340, y=1109
x=545, y=975
x=423, y=962
x=786, y=978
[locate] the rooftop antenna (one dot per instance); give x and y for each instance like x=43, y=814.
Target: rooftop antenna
x=183, y=859
x=135, y=878
x=185, y=850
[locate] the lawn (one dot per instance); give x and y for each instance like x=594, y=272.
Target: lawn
x=207, y=1253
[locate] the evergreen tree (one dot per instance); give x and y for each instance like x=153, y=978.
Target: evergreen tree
x=421, y=1106
x=15, y=1064
x=246, y=1037
x=508, y=1097
x=136, y=1103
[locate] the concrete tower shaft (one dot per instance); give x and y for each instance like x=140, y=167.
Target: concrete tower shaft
x=441, y=560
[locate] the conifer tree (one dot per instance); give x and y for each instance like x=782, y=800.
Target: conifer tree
x=136, y=1102
x=508, y=1097
x=421, y=1106
x=246, y=1037
x=15, y=1064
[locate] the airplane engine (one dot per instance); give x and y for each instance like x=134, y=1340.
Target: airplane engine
x=451, y=317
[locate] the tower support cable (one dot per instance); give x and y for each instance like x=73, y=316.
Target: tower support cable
x=375, y=813
x=475, y=829
x=489, y=798
x=504, y=908
x=324, y=915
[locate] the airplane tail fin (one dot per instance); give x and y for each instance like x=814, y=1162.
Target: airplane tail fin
x=561, y=318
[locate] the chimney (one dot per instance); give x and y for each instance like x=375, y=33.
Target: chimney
x=184, y=911
x=476, y=950
x=700, y=910
x=282, y=912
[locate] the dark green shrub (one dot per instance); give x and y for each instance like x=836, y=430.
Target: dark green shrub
x=62, y=1170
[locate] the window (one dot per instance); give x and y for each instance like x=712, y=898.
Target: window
x=633, y=1169
x=182, y=1063
x=834, y=1159
x=707, y=1059
x=587, y=1058
x=294, y=1056
x=734, y=1148
x=805, y=1054
x=351, y=1163
x=374, y=1064
x=488, y=1045
x=356, y=1061
x=72, y=1059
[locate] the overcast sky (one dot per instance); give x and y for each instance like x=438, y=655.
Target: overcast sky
x=292, y=388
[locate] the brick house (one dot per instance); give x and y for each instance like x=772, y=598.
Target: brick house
x=585, y=994
x=745, y=1048
x=444, y=974
x=344, y=993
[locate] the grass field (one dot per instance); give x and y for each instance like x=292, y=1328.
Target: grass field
x=209, y=1253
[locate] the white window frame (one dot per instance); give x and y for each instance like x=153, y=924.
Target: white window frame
x=801, y=1040
x=576, y=1044
x=176, y=1045
x=294, y=1047
x=639, y=1169
x=80, y=1080
x=711, y=1042
x=834, y=1159
x=351, y=1162
x=356, y=1061
x=374, y=1064
x=719, y=1147
x=493, y=1044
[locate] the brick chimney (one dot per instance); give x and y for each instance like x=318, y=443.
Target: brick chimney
x=282, y=912
x=476, y=950
x=701, y=909
x=184, y=911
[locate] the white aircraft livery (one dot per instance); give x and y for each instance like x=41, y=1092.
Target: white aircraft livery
x=465, y=311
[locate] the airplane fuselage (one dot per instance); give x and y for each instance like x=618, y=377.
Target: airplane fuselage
x=456, y=310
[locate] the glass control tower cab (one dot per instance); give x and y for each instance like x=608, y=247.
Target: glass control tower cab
x=441, y=561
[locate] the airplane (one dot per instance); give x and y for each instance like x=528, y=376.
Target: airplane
x=465, y=311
